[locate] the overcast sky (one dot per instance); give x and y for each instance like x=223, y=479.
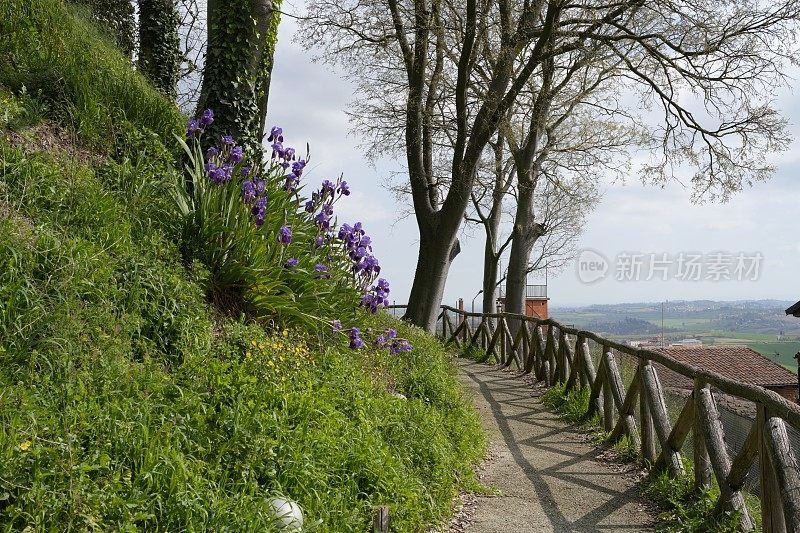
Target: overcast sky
x=633, y=225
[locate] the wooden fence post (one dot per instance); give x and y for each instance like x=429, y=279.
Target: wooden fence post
x=608, y=399
x=702, y=464
x=380, y=522
x=648, y=449
x=771, y=508
x=658, y=411
x=787, y=474
x=714, y=437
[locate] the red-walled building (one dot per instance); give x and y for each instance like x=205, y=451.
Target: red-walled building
x=535, y=301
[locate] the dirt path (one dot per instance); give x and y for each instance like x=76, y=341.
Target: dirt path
x=549, y=476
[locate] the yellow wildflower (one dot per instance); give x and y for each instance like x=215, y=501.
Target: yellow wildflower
x=286, y=333
x=25, y=445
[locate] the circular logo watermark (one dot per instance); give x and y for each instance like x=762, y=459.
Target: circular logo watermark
x=592, y=266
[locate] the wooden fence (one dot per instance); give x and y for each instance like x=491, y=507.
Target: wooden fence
x=555, y=353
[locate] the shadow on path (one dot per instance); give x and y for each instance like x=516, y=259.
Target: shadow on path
x=550, y=478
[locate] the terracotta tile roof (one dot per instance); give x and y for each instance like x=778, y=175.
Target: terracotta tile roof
x=735, y=362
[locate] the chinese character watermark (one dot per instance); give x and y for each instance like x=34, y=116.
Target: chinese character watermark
x=593, y=266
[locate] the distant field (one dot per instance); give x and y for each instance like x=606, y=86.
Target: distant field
x=683, y=323
x=739, y=335
x=701, y=324
x=780, y=352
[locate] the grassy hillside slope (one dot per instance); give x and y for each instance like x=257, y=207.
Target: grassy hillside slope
x=128, y=403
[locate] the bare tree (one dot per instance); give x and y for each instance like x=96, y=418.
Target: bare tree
x=706, y=68
x=193, y=33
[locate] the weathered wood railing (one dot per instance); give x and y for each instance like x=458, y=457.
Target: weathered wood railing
x=555, y=353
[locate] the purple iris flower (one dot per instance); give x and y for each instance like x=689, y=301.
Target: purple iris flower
x=391, y=333
x=322, y=220
x=207, y=118
x=290, y=184
x=328, y=186
x=344, y=188
x=400, y=345
x=336, y=325
x=298, y=166
x=236, y=154
x=291, y=262
x=259, y=210
x=355, y=339
x=285, y=235
x=277, y=149
x=192, y=128
x=227, y=140
x=248, y=192
x=275, y=134
x=319, y=241
x=345, y=231
x=227, y=172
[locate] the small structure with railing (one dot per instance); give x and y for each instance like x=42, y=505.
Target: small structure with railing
x=535, y=301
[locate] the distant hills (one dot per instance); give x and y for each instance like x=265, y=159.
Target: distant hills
x=683, y=316
x=760, y=324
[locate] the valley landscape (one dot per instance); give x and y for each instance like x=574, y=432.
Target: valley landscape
x=759, y=324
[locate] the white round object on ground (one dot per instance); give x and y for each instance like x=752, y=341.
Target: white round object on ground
x=287, y=513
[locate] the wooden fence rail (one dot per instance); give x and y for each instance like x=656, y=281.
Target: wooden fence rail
x=555, y=353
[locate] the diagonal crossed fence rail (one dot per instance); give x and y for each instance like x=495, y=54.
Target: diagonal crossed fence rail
x=556, y=353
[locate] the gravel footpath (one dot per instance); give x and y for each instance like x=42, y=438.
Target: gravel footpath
x=550, y=477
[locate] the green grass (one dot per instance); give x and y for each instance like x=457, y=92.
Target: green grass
x=84, y=79
x=126, y=402
x=121, y=410
x=684, y=509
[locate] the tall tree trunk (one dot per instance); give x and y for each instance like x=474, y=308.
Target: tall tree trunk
x=491, y=267
x=159, y=44
x=491, y=255
x=492, y=250
x=241, y=44
x=527, y=230
x=437, y=249
x=438, y=246
x=525, y=234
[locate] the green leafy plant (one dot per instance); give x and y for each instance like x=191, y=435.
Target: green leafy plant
x=266, y=256
x=686, y=510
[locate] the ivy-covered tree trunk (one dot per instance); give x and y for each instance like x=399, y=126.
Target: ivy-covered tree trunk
x=159, y=44
x=241, y=44
x=116, y=17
